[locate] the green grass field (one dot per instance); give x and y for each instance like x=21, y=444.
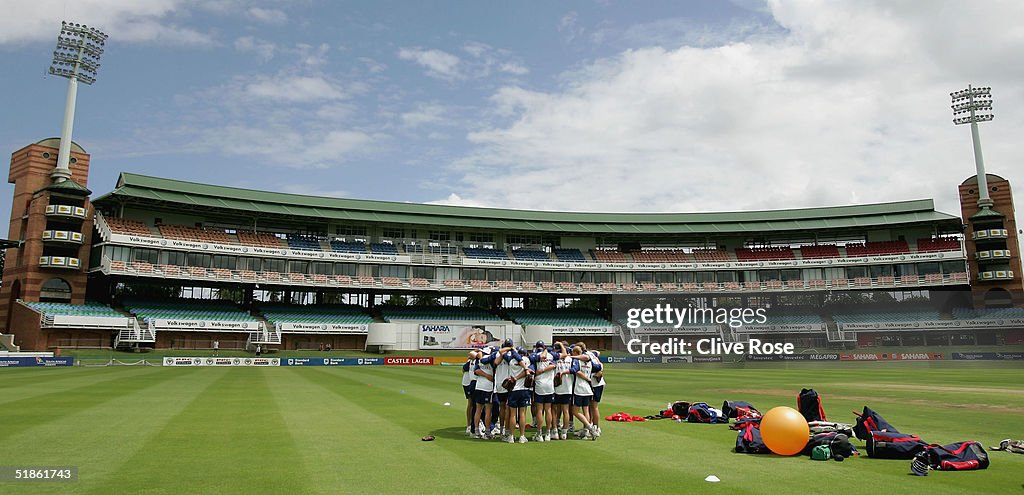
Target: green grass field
x=357, y=430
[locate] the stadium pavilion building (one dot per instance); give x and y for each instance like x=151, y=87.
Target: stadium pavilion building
x=166, y=263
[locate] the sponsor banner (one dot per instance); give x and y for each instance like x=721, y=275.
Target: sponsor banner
x=210, y=247
x=676, y=359
x=321, y=328
x=792, y=357
x=781, y=328
x=459, y=336
x=205, y=325
x=221, y=361
x=675, y=331
x=935, y=325
x=583, y=331
x=891, y=356
x=719, y=265
x=449, y=360
x=989, y=356
x=409, y=361
x=28, y=361
x=632, y=359
x=707, y=359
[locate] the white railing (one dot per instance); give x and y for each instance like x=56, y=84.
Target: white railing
x=284, y=279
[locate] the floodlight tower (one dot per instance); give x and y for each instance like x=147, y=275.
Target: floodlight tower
x=977, y=104
x=77, y=58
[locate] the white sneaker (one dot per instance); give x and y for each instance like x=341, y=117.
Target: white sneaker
x=522, y=438
x=495, y=431
x=595, y=432
x=510, y=439
x=469, y=431
x=547, y=437
x=562, y=434
x=537, y=437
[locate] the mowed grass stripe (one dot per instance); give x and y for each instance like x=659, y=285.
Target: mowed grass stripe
x=230, y=439
x=383, y=395
x=37, y=410
x=100, y=440
x=379, y=451
x=57, y=380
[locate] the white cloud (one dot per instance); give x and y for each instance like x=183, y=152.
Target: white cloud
x=294, y=89
x=425, y=113
x=843, y=101
x=153, y=21
x=286, y=146
x=269, y=16
x=263, y=49
x=456, y=200
x=484, y=60
x=439, y=64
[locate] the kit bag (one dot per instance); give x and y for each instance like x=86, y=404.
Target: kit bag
x=748, y=439
x=887, y=445
x=870, y=421
x=961, y=456
x=809, y=404
x=700, y=412
x=739, y=409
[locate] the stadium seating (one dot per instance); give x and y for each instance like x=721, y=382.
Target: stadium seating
x=195, y=234
x=259, y=239
x=661, y=256
x=764, y=254
x=182, y=309
x=879, y=248
x=939, y=244
x=485, y=253
x=777, y=318
x=711, y=255
x=347, y=247
x=382, y=248
x=63, y=309
x=436, y=313
x=326, y=314
x=817, y=251
x=557, y=317
x=570, y=255
x=608, y=256
x=304, y=242
x=419, y=282
x=894, y=316
x=128, y=227
x=524, y=254
x=987, y=314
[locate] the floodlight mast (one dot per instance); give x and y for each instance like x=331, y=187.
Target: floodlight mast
x=77, y=58
x=977, y=104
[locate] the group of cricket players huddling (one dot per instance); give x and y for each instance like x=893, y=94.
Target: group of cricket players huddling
x=558, y=383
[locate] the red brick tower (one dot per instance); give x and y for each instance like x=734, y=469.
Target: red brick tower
x=993, y=251
x=54, y=220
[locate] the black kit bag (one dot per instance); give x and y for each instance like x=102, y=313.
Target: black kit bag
x=680, y=408
x=839, y=444
x=961, y=456
x=809, y=404
x=748, y=439
x=870, y=421
x=888, y=445
x=739, y=409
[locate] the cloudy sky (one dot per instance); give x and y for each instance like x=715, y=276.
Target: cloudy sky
x=571, y=105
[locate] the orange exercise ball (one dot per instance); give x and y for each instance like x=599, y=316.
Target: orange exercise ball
x=784, y=431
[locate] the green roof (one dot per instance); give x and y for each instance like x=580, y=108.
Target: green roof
x=155, y=191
